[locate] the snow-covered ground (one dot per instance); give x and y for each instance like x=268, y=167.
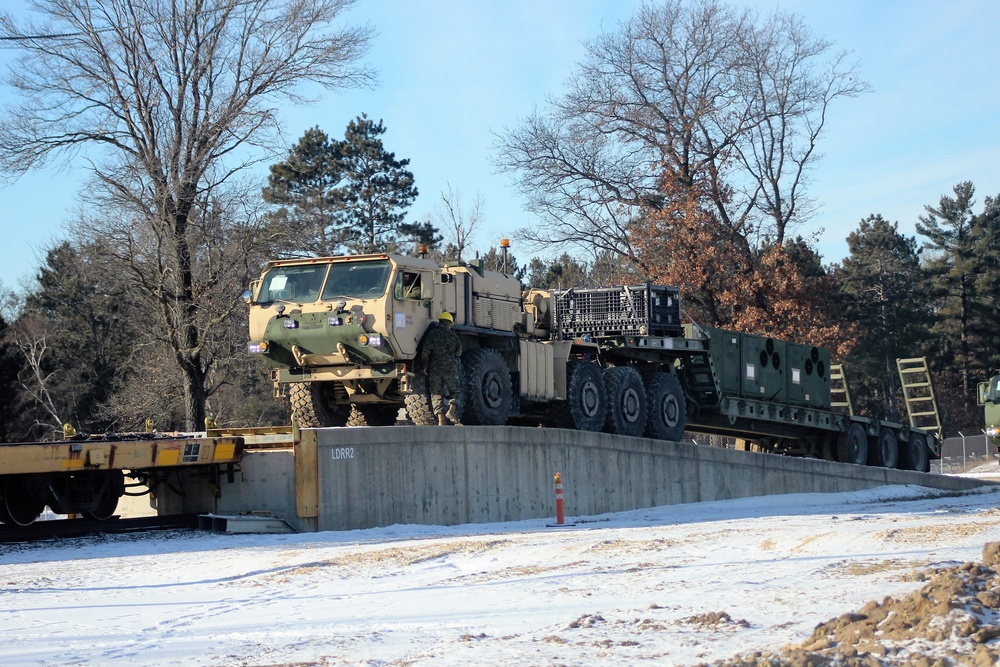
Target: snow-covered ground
x=618, y=589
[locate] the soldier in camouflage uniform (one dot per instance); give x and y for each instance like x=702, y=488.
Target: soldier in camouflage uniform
x=440, y=350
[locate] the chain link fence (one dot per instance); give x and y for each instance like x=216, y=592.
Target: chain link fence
x=963, y=451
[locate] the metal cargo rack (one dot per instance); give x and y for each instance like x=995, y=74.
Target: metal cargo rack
x=628, y=310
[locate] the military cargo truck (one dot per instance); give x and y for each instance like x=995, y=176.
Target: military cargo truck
x=341, y=337
x=989, y=398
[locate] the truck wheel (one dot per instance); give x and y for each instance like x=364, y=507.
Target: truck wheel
x=373, y=415
x=586, y=401
x=626, y=401
x=418, y=402
x=487, y=388
x=419, y=408
x=914, y=454
x=666, y=407
x=885, y=453
x=852, y=447
x=17, y=506
x=313, y=405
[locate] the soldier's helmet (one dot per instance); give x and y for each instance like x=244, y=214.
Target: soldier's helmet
x=446, y=317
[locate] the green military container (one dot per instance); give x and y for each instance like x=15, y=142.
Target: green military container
x=724, y=347
x=749, y=366
x=763, y=368
x=808, y=375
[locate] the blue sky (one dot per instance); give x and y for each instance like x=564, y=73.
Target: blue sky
x=452, y=73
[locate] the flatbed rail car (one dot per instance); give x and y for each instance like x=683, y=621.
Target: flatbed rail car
x=86, y=475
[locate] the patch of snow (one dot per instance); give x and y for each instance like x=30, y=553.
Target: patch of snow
x=675, y=585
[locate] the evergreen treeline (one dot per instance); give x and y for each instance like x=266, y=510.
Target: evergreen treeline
x=78, y=346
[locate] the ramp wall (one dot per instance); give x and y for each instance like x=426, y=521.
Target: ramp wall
x=353, y=478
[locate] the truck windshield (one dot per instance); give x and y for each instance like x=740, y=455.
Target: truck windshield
x=357, y=280
x=993, y=395
x=300, y=284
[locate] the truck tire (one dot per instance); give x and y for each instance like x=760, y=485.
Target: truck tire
x=914, y=455
x=586, y=403
x=419, y=408
x=666, y=407
x=313, y=405
x=885, y=453
x=852, y=446
x=418, y=402
x=626, y=413
x=487, y=388
x=379, y=414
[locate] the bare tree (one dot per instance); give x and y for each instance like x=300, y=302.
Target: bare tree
x=226, y=232
x=458, y=225
x=32, y=338
x=173, y=95
x=695, y=93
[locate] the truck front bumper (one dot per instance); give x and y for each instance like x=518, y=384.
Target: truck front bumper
x=346, y=374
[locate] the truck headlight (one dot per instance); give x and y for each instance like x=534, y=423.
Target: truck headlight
x=257, y=348
x=991, y=431
x=291, y=324
x=373, y=340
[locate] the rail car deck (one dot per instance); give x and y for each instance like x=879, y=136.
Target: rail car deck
x=86, y=475
x=118, y=453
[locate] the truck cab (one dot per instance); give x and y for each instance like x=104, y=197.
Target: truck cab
x=340, y=334
x=310, y=316
x=989, y=398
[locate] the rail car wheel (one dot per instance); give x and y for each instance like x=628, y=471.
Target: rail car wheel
x=17, y=505
x=586, y=401
x=852, y=447
x=885, y=453
x=914, y=454
x=487, y=388
x=313, y=404
x=626, y=413
x=666, y=407
x=112, y=488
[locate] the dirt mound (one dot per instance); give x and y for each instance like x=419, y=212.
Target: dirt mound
x=954, y=619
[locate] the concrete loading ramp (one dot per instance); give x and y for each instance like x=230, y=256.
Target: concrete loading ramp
x=348, y=478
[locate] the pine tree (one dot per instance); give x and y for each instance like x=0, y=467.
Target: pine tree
x=952, y=242
x=563, y=272
x=346, y=196
x=882, y=285
x=504, y=262
x=77, y=334
x=304, y=186
x=11, y=363
x=987, y=277
x=377, y=190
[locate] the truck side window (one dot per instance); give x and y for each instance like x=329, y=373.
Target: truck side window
x=408, y=286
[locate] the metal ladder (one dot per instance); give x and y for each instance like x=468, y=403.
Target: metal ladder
x=918, y=393
x=840, y=392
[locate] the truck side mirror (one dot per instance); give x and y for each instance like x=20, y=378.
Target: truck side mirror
x=983, y=391
x=247, y=295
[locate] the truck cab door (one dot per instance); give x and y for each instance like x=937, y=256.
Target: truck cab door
x=412, y=295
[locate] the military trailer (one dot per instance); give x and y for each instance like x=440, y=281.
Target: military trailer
x=341, y=337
